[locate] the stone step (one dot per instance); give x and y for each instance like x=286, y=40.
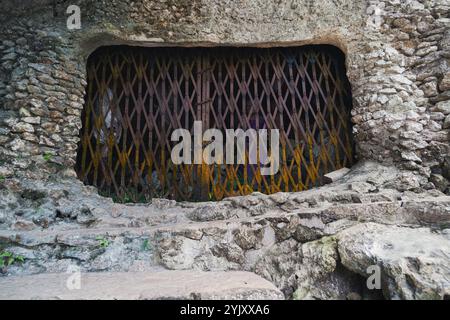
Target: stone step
x=82, y=211
x=140, y=286
x=429, y=211
x=224, y=244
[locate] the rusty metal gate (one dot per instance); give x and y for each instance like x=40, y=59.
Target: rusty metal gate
x=136, y=97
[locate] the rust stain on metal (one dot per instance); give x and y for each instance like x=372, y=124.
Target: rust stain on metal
x=136, y=97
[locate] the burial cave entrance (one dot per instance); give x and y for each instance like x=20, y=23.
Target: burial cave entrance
x=136, y=97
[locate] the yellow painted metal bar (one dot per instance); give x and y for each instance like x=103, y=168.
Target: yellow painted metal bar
x=153, y=97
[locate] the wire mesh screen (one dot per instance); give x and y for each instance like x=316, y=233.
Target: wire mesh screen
x=136, y=97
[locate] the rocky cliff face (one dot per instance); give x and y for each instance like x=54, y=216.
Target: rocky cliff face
x=318, y=244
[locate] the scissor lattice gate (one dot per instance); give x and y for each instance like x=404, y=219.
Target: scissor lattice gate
x=136, y=97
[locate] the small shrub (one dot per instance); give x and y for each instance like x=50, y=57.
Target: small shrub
x=8, y=258
x=102, y=242
x=47, y=156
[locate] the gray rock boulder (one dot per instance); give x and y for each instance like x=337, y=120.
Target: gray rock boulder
x=414, y=262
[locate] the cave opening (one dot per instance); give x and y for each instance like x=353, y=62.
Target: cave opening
x=136, y=97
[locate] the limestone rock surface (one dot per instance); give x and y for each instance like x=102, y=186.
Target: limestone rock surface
x=140, y=286
x=414, y=262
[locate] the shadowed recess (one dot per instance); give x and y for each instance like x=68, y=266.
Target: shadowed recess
x=136, y=97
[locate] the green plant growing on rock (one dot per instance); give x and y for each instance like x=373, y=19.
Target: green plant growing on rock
x=2, y=179
x=102, y=242
x=47, y=156
x=127, y=198
x=146, y=246
x=8, y=258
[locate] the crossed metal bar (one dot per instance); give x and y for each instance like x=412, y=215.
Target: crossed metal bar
x=136, y=97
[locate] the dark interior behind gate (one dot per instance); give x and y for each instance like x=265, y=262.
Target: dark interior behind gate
x=136, y=97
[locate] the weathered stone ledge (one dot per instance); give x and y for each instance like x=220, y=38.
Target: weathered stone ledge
x=158, y=285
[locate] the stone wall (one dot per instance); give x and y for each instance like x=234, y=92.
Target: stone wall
x=315, y=244
x=397, y=56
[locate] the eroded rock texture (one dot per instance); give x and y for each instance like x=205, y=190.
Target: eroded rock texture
x=396, y=55
x=414, y=261
x=392, y=210
x=316, y=244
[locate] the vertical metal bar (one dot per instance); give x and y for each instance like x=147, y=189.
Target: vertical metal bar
x=257, y=107
x=316, y=111
x=187, y=107
x=174, y=111
x=205, y=121
x=220, y=190
x=198, y=112
x=295, y=126
x=268, y=108
x=111, y=141
x=163, y=130
x=150, y=125
x=305, y=98
x=124, y=150
x=245, y=125
x=283, y=167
